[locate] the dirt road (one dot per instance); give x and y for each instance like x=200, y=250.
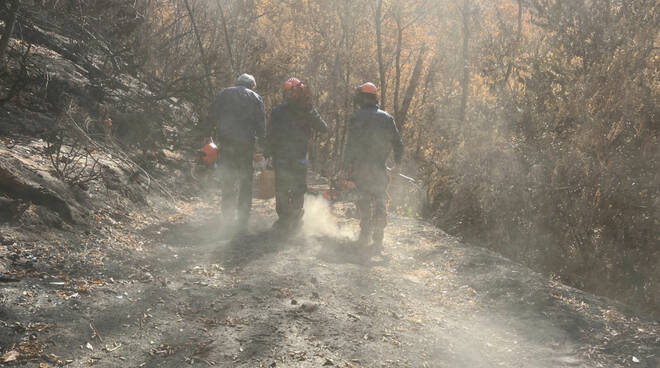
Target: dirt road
x=192, y=297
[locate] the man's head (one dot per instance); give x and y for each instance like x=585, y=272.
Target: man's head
x=297, y=93
x=246, y=80
x=366, y=93
x=292, y=89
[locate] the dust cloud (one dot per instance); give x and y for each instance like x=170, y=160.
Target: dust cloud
x=319, y=220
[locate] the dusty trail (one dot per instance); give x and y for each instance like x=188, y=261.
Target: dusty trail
x=313, y=301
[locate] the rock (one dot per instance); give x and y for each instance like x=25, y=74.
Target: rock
x=5, y=278
x=4, y=240
x=20, y=181
x=309, y=307
x=8, y=210
x=49, y=217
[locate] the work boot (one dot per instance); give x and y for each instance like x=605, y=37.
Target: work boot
x=363, y=239
x=227, y=224
x=280, y=229
x=377, y=245
x=241, y=229
x=295, y=227
x=278, y=225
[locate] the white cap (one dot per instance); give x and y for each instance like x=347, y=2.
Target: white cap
x=246, y=80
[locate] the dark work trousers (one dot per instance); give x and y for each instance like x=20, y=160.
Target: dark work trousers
x=290, y=188
x=372, y=183
x=235, y=170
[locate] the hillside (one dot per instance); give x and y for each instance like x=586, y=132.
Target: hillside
x=110, y=253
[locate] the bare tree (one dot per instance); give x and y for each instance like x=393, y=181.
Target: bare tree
x=465, y=84
x=412, y=88
x=201, y=49
x=10, y=20
x=379, y=44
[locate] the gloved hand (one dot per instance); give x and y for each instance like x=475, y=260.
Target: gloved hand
x=305, y=100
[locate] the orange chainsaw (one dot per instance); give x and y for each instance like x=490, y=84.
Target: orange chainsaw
x=206, y=159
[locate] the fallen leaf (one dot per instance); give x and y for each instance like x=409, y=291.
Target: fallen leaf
x=43, y=365
x=89, y=346
x=10, y=356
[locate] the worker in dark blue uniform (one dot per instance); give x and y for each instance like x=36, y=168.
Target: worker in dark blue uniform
x=238, y=118
x=372, y=135
x=290, y=128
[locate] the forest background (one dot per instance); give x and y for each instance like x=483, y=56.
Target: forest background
x=531, y=125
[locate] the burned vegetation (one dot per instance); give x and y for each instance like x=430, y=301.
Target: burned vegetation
x=524, y=230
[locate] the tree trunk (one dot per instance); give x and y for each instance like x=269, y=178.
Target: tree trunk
x=201, y=49
x=412, y=87
x=397, y=66
x=512, y=53
x=338, y=79
x=10, y=20
x=465, y=84
x=227, y=39
x=381, y=63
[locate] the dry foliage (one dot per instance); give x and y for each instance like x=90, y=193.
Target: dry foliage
x=532, y=125
x=73, y=155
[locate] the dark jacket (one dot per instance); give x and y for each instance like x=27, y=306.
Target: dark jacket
x=289, y=131
x=372, y=133
x=238, y=114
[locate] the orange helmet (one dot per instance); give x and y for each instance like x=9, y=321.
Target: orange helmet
x=368, y=88
x=292, y=83
x=210, y=151
x=293, y=89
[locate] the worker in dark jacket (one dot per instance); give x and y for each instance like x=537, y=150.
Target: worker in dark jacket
x=238, y=117
x=372, y=135
x=290, y=128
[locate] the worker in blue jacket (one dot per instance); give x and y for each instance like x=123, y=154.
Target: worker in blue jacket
x=237, y=119
x=290, y=127
x=372, y=135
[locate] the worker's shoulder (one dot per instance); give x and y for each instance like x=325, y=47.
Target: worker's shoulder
x=253, y=94
x=384, y=113
x=231, y=89
x=371, y=113
x=239, y=90
x=277, y=111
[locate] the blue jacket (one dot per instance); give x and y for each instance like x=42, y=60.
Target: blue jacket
x=372, y=133
x=239, y=115
x=289, y=131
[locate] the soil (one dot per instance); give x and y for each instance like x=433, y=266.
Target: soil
x=191, y=294
x=134, y=269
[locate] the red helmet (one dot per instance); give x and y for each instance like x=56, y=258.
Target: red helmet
x=293, y=89
x=292, y=83
x=210, y=151
x=368, y=88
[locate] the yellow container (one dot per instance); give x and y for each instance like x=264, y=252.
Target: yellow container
x=265, y=184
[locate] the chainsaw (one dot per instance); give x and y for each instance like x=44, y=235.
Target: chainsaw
x=406, y=178
x=342, y=190
x=205, y=160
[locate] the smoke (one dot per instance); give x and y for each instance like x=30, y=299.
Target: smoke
x=319, y=220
